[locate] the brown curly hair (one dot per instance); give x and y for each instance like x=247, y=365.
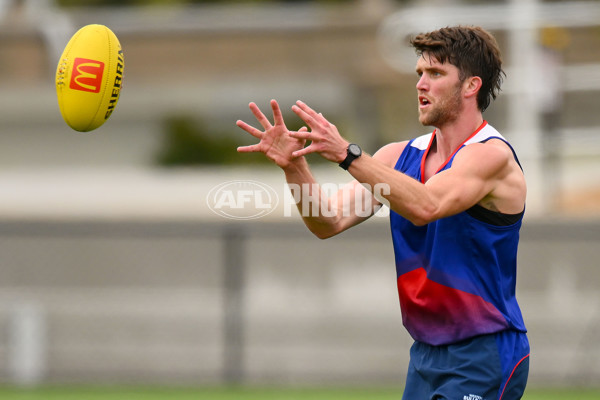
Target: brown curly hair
x=473, y=50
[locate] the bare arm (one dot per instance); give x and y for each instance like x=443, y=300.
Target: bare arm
x=327, y=215
x=484, y=173
x=352, y=204
x=477, y=172
x=324, y=216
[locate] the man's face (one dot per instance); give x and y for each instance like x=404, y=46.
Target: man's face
x=440, y=92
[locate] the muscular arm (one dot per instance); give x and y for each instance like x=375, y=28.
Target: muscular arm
x=482, y=173
x=351, y=205
x=322, y=215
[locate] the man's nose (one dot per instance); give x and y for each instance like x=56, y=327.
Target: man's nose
x=422, y=83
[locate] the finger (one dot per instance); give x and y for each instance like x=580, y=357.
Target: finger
x=301, y=139
x=250, y=129
x=261, y=118
x=302, y=152
x=304, y=107
x=254, y=148
x=317, y=118
x=277, y=115
x=301, y=134
x=310, y=121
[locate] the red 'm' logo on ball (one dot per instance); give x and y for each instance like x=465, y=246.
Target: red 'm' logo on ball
x=87, y=75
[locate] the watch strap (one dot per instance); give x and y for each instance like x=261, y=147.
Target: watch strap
x=349, y=157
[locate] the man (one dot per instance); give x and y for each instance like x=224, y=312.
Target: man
x=457, y=198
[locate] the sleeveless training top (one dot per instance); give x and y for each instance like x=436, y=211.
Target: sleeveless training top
x=456, y=276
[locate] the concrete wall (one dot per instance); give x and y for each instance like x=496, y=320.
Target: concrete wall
x=259, y=303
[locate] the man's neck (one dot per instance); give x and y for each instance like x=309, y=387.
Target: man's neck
x=452, y=135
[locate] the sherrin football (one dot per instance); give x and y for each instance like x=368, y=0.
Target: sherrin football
x=89, y=77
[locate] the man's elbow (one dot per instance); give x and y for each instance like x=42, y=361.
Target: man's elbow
x=325, y=230
x=419, y=221
x=323, y=234
x=423, y=216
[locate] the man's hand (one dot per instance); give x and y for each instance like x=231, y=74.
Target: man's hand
x=324, y=136
x=276, y=143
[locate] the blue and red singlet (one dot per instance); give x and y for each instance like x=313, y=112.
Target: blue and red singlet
x=456, y=276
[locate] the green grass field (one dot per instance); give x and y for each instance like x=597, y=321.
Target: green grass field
x=250, y=394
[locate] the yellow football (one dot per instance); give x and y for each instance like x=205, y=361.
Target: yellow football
x=89, y=77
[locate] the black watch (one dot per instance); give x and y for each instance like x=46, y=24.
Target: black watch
x=354, y=151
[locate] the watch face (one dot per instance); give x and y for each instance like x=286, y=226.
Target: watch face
x=354, y=150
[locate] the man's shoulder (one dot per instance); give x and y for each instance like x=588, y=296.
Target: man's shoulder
x=389, y=153
x=421, y=142
x=487, y=132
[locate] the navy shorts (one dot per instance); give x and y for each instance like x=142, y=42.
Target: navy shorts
x=488, y=367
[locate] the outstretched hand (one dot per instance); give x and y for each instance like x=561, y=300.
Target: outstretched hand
x=275, y=143
x=324, y=136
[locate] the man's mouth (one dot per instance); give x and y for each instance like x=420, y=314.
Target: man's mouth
x=423, y=101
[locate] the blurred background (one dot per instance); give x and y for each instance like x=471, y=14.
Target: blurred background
x=115, y=270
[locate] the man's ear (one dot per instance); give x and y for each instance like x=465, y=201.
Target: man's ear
x=472, y=85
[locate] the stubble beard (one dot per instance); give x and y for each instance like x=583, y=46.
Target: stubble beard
x=447, y=111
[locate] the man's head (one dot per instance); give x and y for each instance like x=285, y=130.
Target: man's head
x=472, y=50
